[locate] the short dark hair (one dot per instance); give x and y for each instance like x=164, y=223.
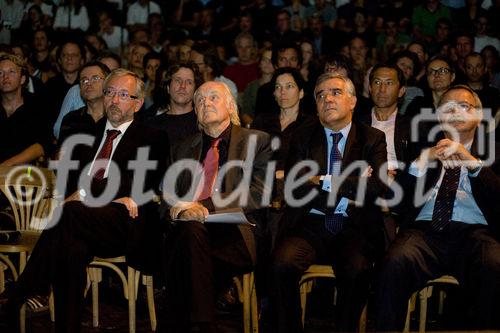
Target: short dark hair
x=109, y=54
x=160, y=97
x=399, y=72
x=281, y=47
x=105, y=70
x=66, y=42
x=441, y=58
x=406, y=54
x=295, y=73
x=463, y=33
x=341, y=61
x=150, y=56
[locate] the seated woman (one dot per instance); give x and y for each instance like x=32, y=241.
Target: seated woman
x=408, y=62
x=288, y=92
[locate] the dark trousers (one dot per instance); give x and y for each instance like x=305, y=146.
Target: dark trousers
x=351, y=253
x=201, y=259
x=62, y=253
x=467, y=252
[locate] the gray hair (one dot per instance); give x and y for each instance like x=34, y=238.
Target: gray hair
x=328, y=76
x=121, y=72
x=245, y=35
x=477, y=101
x=231, y=104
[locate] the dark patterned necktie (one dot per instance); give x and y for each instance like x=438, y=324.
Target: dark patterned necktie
x=333, y=222
x=210, y=169
x=102, y=159
x=443, y=207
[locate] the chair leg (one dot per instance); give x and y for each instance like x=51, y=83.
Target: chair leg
x=51, y=306
x=246, y=304
x=131, y=299
x=147, y=280
x=411, y=308
x=95, y=274
x=362, y=320
x=424, y=294
x=305, y=288
x=254, y=308
x=2, y=277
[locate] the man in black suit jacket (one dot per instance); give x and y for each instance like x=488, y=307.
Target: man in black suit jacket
x=306, y=237
x=451, y=228
x=124, y=225
x=203, y=258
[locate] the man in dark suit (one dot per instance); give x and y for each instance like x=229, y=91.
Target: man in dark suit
x=345, y=236
x=203, y=258
x=124, y=225
x=453, y=227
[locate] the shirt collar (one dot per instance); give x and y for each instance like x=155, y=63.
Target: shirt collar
x=224, y=136
x=122, y=128
x=344, y=131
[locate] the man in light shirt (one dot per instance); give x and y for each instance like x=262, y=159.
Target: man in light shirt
x=452, y=223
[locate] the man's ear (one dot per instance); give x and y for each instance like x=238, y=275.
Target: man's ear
x=402, y=91
x=138, y=105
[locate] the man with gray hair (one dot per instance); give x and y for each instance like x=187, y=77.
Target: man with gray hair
x=111, y=225
x=203, y=258
x=247, y=68
x=347, y=236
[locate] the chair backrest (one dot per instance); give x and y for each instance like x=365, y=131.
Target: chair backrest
x=29, y=196
x=30, y=205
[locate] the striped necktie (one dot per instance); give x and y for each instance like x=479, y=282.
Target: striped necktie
x=443, y=207
x=102, y=159
x=334, y=222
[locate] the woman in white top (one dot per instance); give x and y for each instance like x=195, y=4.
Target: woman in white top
x=71, y=15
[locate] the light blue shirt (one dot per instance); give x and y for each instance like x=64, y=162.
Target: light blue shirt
x=72, y=101
x=327, y=185
x=465, y=208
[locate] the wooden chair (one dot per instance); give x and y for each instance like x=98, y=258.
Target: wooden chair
x=130, y=286
x=306, y=283
x=248, y=296
x=423, y=295
x=29, y=196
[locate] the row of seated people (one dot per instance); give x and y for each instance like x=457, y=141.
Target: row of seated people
x=440, y=74
x=449, y=231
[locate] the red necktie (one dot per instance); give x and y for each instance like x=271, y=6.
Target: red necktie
x=210, y=168
x=102, y=159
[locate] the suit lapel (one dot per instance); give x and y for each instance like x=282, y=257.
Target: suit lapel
x=237, y=151
x=319, y=147
x=352, y=149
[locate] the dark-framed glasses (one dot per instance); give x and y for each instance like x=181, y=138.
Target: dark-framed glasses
x=122, y=94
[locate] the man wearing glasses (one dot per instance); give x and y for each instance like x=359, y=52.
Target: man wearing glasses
x=83, y=120
x=440, y=75
x=453, y=228
x=88, y=225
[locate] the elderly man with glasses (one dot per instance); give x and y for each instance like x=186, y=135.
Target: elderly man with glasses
x=451, y=225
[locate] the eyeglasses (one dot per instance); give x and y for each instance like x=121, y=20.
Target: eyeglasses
x=438, y=71
x=122, y=94
x=448, y=107
x=92, y=79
